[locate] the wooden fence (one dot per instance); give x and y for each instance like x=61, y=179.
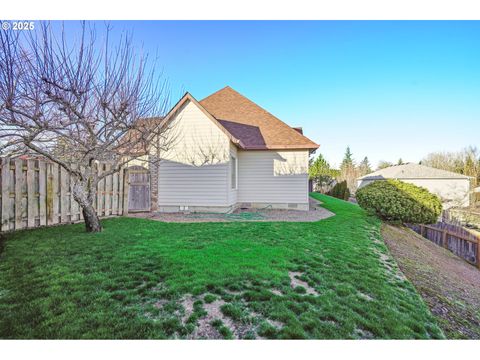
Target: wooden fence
x=36, y=193
x=455, y=238
x=476, y=199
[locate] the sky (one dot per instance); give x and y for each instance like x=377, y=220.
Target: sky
x=387, y=89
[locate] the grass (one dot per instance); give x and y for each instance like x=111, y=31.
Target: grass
x=129, y=280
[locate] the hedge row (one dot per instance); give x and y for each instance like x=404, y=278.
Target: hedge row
x=394, y=200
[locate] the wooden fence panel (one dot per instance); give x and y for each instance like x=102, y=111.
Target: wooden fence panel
x=100, y=192
x=121, y=184
x=18, y=168
x=64, y=195
x=55, y=192
x=6, y=208
x=126, y=189
x=42, y=192
x=32, y=199
x=80, y=213
x=36, y=192
x=74, y=206
x=115, y=194
x=108, y=192
x=454, y=238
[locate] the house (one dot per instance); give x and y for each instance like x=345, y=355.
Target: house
x=228, y=153
x=453, y=189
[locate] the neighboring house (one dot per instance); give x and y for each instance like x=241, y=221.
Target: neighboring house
x=229, y=152
x=452, y=188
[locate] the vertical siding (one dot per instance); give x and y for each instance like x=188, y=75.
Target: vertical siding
x=196, y=168
x=273, y=176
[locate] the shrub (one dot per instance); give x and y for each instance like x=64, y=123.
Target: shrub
x=340, y=190
x=394, y=200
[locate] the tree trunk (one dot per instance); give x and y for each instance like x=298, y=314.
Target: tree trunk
x=92, y=222
x=83, y=193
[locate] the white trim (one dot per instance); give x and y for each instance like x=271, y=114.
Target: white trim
x=236, y=172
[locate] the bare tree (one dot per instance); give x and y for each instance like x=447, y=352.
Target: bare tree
x=382, y=164
x=80, y=103
x=466, y=162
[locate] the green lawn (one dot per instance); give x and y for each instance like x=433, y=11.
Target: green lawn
x=131, y=281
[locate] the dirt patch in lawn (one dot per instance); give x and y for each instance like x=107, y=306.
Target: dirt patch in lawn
x=295, y=282
x=213, y=321
x=205, y=328
x=448, y=284
x=276, y=292
x=187, y=304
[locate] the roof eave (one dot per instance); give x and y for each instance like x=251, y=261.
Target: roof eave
x=282, y=147
x=414, y=178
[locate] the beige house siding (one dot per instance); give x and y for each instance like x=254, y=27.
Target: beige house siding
x=196, y=173
x=195, y=170
x=452, y=192
x=273, y=177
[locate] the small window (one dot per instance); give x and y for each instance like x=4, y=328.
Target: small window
x=233, y=171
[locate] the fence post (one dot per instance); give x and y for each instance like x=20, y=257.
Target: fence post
x=444, y=239
x=19, y=180
x=64, y=195
x=120, y=191
x=55, y=191
x=114, y=197
x=126, y=189
x=108, y=190
x=42, y=191
x=6, y=204
x=100, y=191
x=478, y=252
x=422, y=230
x=32, y=200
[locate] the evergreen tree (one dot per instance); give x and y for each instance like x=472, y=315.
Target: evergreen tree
x=319, y=167
x=364, y=168
x=320, y=172
x=348, y=171
x=347, y=161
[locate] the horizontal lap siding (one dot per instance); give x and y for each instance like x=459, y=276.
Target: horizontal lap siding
x=259, y=180
x=181, y=184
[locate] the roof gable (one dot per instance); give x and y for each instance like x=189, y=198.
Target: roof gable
x=183, y=101
x=255, y=127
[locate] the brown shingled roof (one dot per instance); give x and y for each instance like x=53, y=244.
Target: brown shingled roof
x=255, y=127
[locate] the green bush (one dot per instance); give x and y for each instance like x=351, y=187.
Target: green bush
x=394, y=200
x=340, y=190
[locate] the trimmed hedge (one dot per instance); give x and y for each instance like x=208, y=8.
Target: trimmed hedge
x=395, y=200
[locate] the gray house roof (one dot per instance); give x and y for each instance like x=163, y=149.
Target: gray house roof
x=412, y=171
